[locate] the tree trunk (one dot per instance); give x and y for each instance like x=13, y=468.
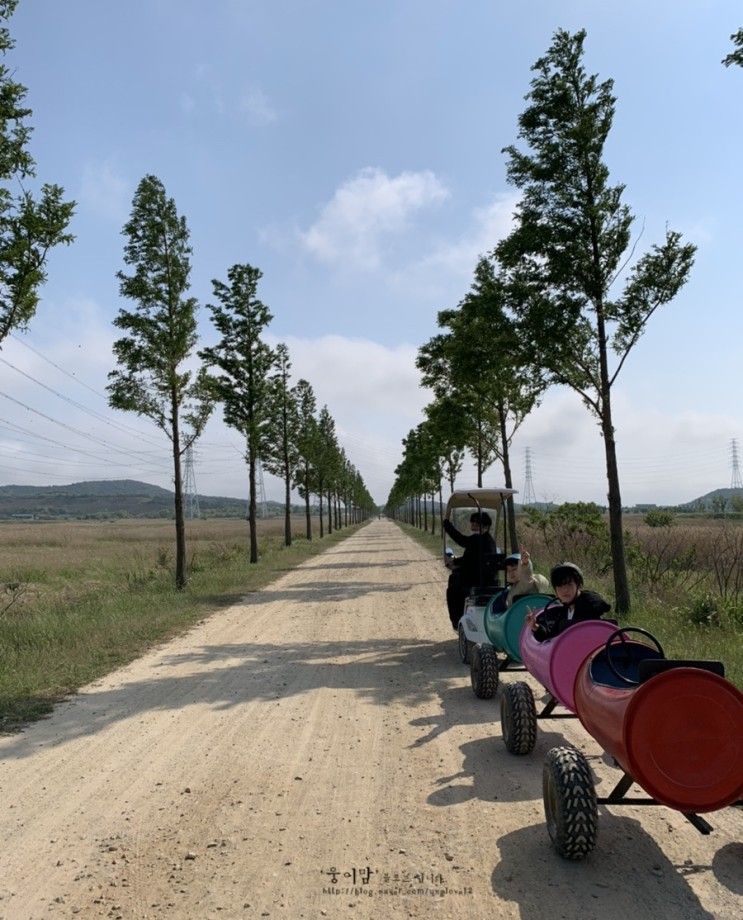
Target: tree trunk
x=287, y=511
x=319, y=495
x=425, y=513
x=479, y=456
x=330, y=512
x=180, y=525
x=510, y=510
x=433, y=513
x=441, y=508
x=307, y=512
x=251, y=507
x=616, y=533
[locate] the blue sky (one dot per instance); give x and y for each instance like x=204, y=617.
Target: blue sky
x=351, y=150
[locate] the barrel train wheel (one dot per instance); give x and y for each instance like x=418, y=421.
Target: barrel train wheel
x=518, y=718
x=484, y=671
x=569, y=802
x=464, y=644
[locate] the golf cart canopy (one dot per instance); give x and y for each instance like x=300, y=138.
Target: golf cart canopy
x=471, y=498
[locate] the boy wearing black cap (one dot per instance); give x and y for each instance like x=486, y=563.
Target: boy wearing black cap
x=575, y=604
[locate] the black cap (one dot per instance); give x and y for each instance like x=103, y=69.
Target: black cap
x=564, y=572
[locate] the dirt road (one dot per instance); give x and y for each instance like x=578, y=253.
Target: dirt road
x=323, y=724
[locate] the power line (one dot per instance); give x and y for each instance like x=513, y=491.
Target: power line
x=14, y=429
x=122, y=450
x=92, y=412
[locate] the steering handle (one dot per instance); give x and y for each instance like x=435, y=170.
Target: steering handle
x=621, y=634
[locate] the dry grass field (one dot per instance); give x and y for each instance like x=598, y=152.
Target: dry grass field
x=78, y=598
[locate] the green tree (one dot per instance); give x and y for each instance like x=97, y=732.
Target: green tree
x=735, y=57
x=308, y=438
x=326, y=463
x=243, y=362
x=29, y=228
x=490, y=356
x=569, y=245
x=161, y=334
x=437, y=360
x=281, y=454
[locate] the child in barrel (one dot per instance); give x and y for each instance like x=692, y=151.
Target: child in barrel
x=575, y=604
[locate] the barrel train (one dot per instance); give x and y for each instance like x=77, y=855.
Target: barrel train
x=673, y=727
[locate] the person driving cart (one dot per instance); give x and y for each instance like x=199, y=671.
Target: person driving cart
x=479, y=546
x=575, y=604
x=520, y=581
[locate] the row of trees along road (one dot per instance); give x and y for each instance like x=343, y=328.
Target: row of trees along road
x=155, y=376
x=161, y=376
x=547, y=306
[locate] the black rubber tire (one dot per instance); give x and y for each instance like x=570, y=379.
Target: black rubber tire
x=464, y=644
x=518, y=718
x=484, y=671
x=569, y=802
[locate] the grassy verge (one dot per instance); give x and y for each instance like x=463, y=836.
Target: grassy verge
x=663, y=613
x=72, y=629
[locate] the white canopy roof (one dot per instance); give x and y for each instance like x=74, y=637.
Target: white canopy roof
x=487, y=498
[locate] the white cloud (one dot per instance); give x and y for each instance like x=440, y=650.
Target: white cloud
x=207, y=93
x=365, y=210
x=257, y=106
x=105, y=192
x=454, y=261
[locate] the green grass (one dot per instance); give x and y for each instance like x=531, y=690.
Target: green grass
x=76, y=623
x=666, y=614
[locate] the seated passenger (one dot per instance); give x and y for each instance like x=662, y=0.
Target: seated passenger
x=520, y=581
x=479, y=545
x=575, y=604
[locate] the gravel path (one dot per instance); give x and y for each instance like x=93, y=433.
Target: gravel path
x=323, y=724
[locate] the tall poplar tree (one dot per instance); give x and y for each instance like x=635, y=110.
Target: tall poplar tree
x=243, y=362
x=571, y=242
x=29, y=228
x=161, y=335
x=475, y=413
x=307, y=445
x=281, y=455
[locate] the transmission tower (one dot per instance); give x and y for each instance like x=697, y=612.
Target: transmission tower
x=189, y=487
x=262, y=491
x=735, y=482
x=529, y=496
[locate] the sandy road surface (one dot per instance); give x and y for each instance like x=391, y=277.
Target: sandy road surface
x=324, y=723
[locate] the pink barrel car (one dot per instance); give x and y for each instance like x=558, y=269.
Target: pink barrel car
x=555, y=664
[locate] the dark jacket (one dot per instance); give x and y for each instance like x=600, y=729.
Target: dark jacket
x=554, y=618
x=468, y=564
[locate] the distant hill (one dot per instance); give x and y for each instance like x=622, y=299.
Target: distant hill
x=119, y=498
x=713, y=501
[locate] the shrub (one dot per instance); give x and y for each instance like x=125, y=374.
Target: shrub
x=704, y=611
x=659, y=518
